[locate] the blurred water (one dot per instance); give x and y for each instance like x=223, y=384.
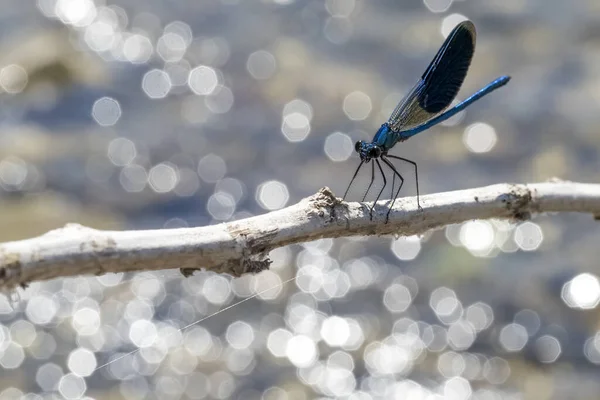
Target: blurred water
x=146, y=114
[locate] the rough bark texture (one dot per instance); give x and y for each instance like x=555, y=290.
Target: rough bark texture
x=242, y=246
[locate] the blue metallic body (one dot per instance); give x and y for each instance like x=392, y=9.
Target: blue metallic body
x=424, y=105
x=385, y=138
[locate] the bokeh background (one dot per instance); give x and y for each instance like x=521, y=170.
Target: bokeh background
x=124, y=114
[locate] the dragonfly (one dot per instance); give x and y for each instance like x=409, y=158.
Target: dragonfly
x=424, y=106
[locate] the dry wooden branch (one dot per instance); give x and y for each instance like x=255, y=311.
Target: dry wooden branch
x=242, y=246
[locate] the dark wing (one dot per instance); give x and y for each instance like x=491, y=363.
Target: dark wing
x=441, y=81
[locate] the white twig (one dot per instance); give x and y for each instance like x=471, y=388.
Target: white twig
x=242, y=246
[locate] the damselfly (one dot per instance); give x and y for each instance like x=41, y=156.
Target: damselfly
x=423, y=107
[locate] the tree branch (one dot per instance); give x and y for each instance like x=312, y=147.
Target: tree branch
x=242, y=246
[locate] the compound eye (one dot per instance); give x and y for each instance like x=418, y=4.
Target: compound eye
x=358, y=146
x=375, y=152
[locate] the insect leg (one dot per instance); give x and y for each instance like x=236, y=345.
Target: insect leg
x=416, y=175
x=381, y=191
x=370, y=184
x=353, y=177
x=394, y=197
